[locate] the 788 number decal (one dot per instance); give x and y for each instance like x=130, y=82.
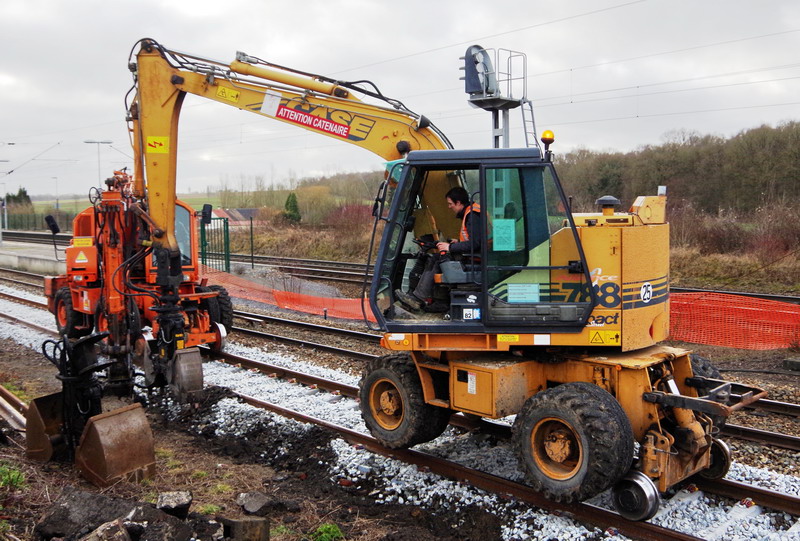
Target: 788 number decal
x=608, y=293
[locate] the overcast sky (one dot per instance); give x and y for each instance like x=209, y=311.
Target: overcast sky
x=603, y=75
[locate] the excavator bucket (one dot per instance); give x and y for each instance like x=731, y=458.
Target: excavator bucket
x=43, y=422
x=187, y=374
x=117, y=445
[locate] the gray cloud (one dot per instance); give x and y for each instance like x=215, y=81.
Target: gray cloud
x=610, y=74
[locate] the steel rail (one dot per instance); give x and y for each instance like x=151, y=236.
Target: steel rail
x=776, y=439
x=12, y=409
x=774, y=406
x=761, y=496
x=310, y=268
x=281, y=372
x=582, y=512
x=305, y=343
x=28, y=324
x=62, y=239
x=771, y=406
x=21, y=300
x=20, y=282
x=251, y=316
x=501, y=430
x=22, y=273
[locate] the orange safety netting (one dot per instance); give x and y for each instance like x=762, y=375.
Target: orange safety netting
x=736, y=321
x=243, y=288
x=714, y=319
x=239, y=287
x=322, y=306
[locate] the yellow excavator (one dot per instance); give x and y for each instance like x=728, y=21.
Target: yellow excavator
x=554, y=317
x=551, y=316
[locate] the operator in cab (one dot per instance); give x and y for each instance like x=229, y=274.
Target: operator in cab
x=467, y=248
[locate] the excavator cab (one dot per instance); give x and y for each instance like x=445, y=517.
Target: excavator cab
x=528, y=270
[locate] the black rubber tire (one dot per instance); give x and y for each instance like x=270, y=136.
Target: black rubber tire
x=225, y=307
x=67, y=319
x=417, y=421
x=210, y=305
x=703, y=367
x=600, y=429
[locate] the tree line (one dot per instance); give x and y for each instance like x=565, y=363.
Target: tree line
x=740, y=174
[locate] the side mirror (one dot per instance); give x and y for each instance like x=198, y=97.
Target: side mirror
x=52, y=224
x=205, y=214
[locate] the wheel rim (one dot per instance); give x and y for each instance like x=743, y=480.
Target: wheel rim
x=102, y=324
x=636, y=497
x=386, y=404
x=61, y=314
x=556, y=448
x=720, y=460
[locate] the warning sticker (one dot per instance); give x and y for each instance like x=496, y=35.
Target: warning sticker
x=541, y=339
x=508, y=338
x=311, y=121
x=157, y=145
x=228, y=94
x=605, y=338
x=81, y=258
x=472, y=383
x=82, y=242
x=272, y=100
x=471, y=314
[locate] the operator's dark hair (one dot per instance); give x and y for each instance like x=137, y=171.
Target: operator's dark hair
x=458, y=195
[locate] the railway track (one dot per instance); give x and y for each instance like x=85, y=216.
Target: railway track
x=584, y=512
x=338, y=271
x=483, y=480
x=775, y=439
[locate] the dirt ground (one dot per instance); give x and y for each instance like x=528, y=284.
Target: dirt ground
x=302, y=497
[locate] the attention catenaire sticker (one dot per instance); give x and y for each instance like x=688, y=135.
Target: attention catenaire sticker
x=321, y=124
x=273, y=106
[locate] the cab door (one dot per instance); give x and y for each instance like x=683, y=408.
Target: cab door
x=535, y=269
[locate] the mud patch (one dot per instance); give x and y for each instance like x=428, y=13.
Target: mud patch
x=301, y=457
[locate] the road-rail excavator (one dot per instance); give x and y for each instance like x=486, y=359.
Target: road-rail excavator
x=555, y=318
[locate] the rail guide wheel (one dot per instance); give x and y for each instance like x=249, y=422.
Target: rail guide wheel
x=636, y=497
x=720, y=460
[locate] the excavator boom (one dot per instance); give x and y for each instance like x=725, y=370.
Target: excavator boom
x=313, y=102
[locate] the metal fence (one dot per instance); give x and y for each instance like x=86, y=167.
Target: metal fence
x=35, y=221
x=215, y=245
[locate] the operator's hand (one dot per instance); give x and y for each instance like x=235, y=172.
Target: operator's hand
x=443, y=246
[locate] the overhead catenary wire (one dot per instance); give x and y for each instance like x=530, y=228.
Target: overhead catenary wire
x=497, y=34
x=622, y=60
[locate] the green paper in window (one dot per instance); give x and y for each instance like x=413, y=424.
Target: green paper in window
x=505, y=236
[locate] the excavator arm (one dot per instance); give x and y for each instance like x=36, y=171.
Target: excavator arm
x=312, y=102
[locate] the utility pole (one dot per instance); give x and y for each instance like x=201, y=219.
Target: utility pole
x=56, y=179
x=98, y=143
